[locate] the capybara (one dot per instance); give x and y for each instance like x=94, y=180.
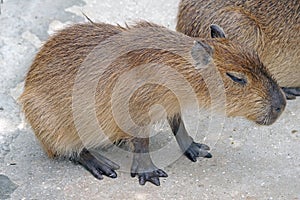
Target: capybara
x=70, y=83
x=270, y=27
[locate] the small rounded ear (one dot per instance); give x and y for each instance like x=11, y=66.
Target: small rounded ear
x=216, y=31
x=201, y=54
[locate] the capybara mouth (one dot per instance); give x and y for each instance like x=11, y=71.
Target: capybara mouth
x=267, y=120
x=273, y=113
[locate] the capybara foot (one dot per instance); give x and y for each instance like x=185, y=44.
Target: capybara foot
x=291, y=92
x=197, y=150
x=191, y=149
x=143, y=167
x=97, y=164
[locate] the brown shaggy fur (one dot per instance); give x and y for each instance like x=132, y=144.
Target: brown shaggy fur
x=271, y=27
x=47, y=98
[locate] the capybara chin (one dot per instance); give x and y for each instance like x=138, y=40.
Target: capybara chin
x=272, y=28
x=48, y=99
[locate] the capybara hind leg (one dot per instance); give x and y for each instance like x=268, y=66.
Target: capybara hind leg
x=97, y=165
x=142, y=165
x=291, y=92
x=191, y=149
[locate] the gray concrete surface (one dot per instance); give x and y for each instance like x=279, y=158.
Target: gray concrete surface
x=250, y=162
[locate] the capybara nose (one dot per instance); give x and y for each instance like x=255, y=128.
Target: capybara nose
x=278, y=102
x=278, y=109
x=277, y=106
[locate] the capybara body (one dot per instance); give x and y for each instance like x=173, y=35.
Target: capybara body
x=270, y=27
x=48, y=98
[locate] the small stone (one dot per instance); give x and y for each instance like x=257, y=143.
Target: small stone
x=294, y=131
x=7, y=187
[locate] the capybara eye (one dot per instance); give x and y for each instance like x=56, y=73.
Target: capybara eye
x=238, y=78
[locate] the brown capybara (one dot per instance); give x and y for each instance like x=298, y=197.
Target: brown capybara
x=270, y=27
x=70, y=84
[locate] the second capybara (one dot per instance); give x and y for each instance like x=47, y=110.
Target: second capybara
x=70, y=90
x=270, y=27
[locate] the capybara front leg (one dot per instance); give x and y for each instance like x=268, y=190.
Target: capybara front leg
x=291, y=92
x=191, y=149
x=142, y=165
x=97, y=164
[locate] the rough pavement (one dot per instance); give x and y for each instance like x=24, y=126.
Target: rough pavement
x=249, y=162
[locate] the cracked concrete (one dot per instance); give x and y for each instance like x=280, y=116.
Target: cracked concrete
x=250, y=162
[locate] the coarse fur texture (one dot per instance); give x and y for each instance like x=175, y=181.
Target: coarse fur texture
x=47, y=98
x=270, y=27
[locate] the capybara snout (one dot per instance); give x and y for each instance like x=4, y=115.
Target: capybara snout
x=277, y=106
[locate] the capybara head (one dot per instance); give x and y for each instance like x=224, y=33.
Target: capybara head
x=250, y=89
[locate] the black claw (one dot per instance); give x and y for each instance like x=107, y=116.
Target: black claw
x=97, y=166
x=155, y=181
x=95, y=173
x=202, y=146
x=190, y=156
x=142, y=180
x=152, y=177
x=197, y=150
x=113, y=175
x=208, y=156
x=161, y=173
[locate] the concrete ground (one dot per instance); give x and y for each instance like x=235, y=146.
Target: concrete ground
x=249, y=162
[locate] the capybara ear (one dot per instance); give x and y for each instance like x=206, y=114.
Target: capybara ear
x=216, y=31
x=201, y=54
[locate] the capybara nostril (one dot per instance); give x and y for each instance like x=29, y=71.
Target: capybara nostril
x=278, y=100
x=277, y=109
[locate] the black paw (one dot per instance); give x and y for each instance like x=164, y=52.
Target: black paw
x=97, y=164
x=197, y=150
x=291, y=92
x=143, y=167
x=151, y=176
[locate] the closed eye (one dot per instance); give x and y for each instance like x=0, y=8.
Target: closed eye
x=238, y=78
